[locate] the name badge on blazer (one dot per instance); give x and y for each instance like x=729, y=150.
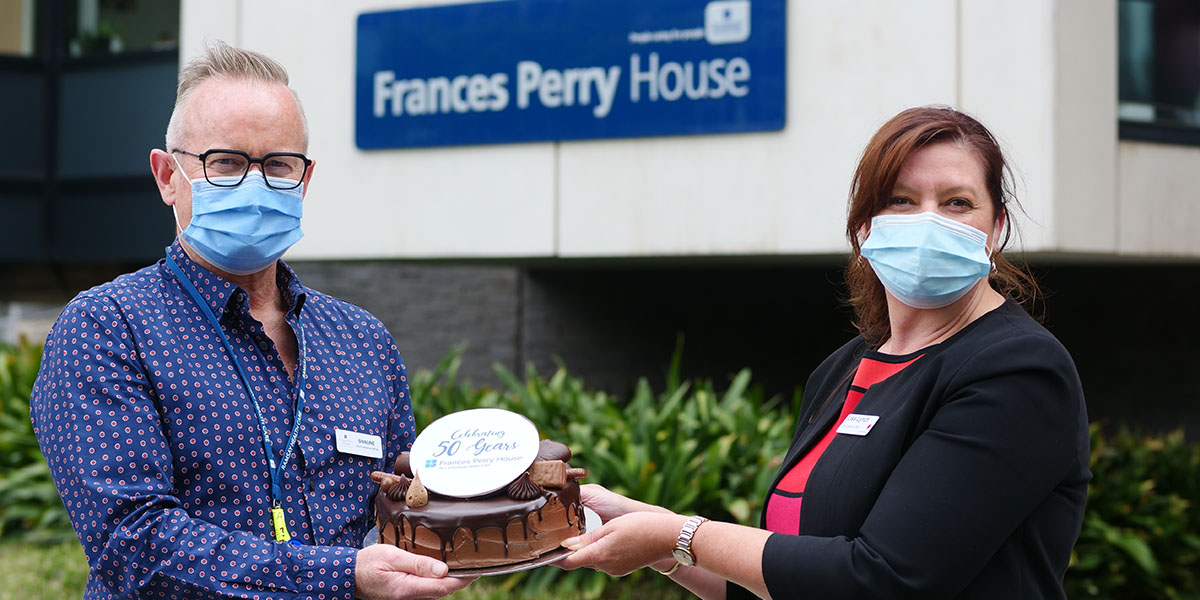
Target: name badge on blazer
x=857, y=424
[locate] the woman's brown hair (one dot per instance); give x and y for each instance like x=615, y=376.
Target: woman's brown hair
x=871, y=189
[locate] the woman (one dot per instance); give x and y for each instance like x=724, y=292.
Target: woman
x=943, y=453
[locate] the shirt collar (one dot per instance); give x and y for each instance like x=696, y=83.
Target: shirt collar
x=294, y=292
x=218, y=292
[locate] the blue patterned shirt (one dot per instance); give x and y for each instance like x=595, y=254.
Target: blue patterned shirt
x=157, y=450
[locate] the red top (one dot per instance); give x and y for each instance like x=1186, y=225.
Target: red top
x=783, y=506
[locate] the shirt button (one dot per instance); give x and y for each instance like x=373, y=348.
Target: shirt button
x=311, y=486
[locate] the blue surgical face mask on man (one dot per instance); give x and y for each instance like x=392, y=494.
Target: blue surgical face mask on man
x=926, y=260
x=245, y=228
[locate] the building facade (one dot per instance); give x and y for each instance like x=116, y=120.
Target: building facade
x=604, y=251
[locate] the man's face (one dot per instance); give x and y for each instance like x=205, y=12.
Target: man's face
x=253, y=117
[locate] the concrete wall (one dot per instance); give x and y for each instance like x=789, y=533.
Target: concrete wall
x=1159, y=208
x=601, y=252
x=430, y=308
x=1041, y=74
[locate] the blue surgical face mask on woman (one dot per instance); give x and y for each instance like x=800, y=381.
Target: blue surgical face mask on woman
x=926, y=260
x=245, y=228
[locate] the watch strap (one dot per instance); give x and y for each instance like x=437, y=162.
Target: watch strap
x=669, y=572
x=687, y=533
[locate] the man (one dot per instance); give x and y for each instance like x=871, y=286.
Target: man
x=210, y=422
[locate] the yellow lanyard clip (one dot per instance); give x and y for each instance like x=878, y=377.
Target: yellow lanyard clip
x=277, y=519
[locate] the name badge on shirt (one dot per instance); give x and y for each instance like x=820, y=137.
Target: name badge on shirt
x=858, y=424
x=359, y=444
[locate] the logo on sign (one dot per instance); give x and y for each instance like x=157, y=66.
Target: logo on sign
x=727, y=21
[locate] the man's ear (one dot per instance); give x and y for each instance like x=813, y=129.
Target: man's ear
x=163, y=166
x=312, y=166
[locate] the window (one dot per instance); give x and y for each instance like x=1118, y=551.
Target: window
x=98, y=27
x=82, y=73
x=1159, y=70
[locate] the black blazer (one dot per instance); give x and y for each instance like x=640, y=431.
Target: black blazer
x=971, y=484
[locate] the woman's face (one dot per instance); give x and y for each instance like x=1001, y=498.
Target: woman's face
x=946, y=178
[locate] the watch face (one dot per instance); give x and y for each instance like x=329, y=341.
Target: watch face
x=683, y=557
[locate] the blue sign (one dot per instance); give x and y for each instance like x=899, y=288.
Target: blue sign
x=539, y=70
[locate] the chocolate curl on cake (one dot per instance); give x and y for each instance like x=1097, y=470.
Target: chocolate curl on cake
x=393, y=486
x=398, y=491
x=403, y=466
x=524, y=489
x=417, y=496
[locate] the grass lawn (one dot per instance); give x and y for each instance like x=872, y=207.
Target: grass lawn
x=35, y=572
x=29, y=572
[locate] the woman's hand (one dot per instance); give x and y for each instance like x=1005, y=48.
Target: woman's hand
x=385, y=571
x=610, y=505
x=626, y=543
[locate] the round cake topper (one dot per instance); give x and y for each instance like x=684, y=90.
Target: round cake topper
x=474, y=452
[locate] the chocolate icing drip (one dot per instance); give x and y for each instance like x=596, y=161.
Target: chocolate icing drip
x=443, y=517
x=569, y=496
x=524, y=489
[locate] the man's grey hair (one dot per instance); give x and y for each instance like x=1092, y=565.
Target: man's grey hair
x=222, y=61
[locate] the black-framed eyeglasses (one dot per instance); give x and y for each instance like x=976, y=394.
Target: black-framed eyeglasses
x=228, y=168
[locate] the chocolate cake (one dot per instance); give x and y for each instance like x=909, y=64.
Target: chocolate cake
x=528, y=518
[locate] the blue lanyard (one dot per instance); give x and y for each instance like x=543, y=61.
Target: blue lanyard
x=275, y=470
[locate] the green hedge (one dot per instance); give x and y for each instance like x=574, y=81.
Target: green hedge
x=689, y=447
x=696, y=446
x=30, y=509
x=1141, y=529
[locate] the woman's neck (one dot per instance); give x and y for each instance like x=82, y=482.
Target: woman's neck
x=916, y=328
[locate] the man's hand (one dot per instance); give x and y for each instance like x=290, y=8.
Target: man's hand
x=385, y=572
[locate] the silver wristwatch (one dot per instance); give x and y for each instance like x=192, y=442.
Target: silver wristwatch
x=683, y=547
